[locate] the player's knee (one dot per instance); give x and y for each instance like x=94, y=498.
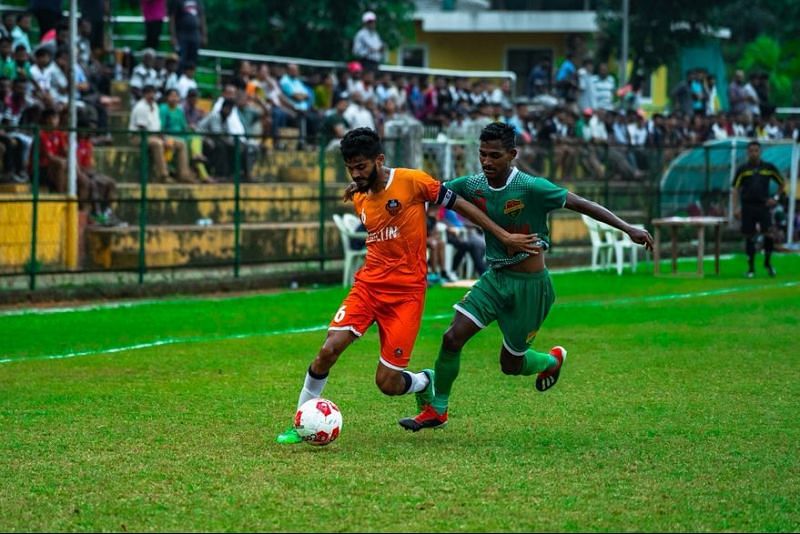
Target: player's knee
x=451, y=341
x=328, y=354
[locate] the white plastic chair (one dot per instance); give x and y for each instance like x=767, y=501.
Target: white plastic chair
x=601, y=247
x=622, y=242
x=348, y=228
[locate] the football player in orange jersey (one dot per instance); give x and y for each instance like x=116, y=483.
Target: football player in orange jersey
x=390, y=288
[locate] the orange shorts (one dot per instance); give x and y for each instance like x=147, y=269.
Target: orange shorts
x=398, y=317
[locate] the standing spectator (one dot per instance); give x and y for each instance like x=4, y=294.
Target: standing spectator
x=713, y=105
x=47, y=13
x=145, y=116
x=586, y=86
x=9, y=21
x=8, y=68
x=698, y=91
x=751, y=96
x=187, y=25
x=367, y=44
x=603, y=88
x=19, y=34
x=566, y=79
x=95, y=12
x=154, y=12
x=753, y=204
x=539, y=79
x=737, y=98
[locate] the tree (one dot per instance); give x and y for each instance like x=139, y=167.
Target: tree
x=780, y=63
x=657, y=31
x=315, y=29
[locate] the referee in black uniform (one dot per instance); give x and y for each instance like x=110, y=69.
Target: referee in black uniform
x=753, y=204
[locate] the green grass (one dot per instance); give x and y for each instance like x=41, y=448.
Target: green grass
x=672, y=414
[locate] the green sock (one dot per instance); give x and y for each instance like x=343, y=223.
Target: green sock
x=536, y=362
x=447, y=365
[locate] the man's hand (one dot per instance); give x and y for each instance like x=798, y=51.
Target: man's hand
x=641, y=236
x=529, y=243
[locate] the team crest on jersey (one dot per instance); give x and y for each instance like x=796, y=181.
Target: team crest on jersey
x=393, y=206
x=513, y=208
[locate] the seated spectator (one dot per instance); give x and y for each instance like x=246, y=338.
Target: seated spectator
x=466, y=238
x=19, y=34
x=16, y=106
x=335, y=125
x=299, y=96
x=43, y=72
x=357, y=115
x=102, y=188
x=144, y=74
x=169, y=74
x=192, y=113
x=53, y=157
x=22, y=63
x=8, y=23
x=145, y=117
x=173, y=123
x=264, y=87
x=219, y=148
x=186, y=82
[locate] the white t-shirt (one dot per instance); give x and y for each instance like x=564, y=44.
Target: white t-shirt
x=184, y=85
x=603, y=91
x=145, y=116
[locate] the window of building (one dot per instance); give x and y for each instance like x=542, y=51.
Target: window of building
x=414, y=56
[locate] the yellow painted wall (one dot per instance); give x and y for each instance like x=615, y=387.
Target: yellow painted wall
x=15, y=230
x=485, y=51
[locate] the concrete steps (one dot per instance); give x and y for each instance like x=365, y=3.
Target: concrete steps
x=196, y=245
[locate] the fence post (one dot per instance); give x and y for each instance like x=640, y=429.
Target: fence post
x=321, y=207
x=237, y=170
x=143, y=171
x=34, y=208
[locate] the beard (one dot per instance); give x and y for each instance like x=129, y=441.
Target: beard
x=366, y=185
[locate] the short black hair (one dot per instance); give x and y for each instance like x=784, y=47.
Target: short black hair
x=753, y=143
x=497, y=131
x=361, y=142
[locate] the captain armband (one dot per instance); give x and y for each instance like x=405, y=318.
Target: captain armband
x=446, y=198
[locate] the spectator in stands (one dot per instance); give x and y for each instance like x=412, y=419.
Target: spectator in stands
x=539, y=79
x=153, y=12
x=145, y=117
x=13, y=150
x=47, y=13
x=20, y=33
x=266, y=89
x=102, y=188
x=186, y=81
x=22, y=62
x=9, y=21
x=697, y=88
x=603, y=88
x=16, y=105
x=144, y=74
x=751, y=96
x=53, y=158
x=8, y=68
x=334, y=124
x=466, y=239
x=173, y=123
x=586, y=78
x=192, y=113
x=43, y=71
x=299, y=95
x=566, y=79
x=187, y=24
x=323, y=91
x=357, y=115
x=737, y=98
x=713, y=105
x=219, y=149
x=94, y=13
x=367, y=43
x=169, y=74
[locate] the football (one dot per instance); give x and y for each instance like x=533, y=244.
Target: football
x=318, y=421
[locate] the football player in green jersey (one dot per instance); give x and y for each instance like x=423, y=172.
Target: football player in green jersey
x=516, y=290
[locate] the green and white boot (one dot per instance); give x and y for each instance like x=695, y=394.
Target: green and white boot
x=425, y=396
x=289, y=437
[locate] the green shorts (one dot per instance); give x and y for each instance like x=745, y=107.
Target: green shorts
x=518, y=301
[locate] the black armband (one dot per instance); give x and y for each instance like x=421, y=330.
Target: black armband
x=446, y=198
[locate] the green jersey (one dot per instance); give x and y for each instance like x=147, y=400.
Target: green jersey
x=520, y=206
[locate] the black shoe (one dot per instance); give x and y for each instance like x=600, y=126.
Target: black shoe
x=770, y=271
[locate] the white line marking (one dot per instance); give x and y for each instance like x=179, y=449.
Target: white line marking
x=320, y=328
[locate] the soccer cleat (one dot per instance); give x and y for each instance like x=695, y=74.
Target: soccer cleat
x=770, y=271
x=425, y=396
x=289, y=437
x=427, y=418
x=547, y=379
x=750, y=274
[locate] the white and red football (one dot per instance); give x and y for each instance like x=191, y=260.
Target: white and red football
x=318, y=421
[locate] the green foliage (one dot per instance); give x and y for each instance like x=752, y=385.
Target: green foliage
x=781, y=63
x=676, y=412
x=317, y=29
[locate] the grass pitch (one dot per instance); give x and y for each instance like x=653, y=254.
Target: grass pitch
x=677, y=410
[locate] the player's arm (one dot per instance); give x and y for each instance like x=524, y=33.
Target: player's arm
x=781, y=194
x=596, y=211
x=514, y=242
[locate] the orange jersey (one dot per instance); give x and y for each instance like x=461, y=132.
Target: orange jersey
x=397, y=237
